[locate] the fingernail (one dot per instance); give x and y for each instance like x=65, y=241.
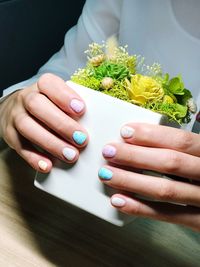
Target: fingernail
x=127, y=132
x=118, y=202
x=105, y=174
x=69, y=153
x=77, y=105
x=79, y=137
x=109, y=151
x=42, y=165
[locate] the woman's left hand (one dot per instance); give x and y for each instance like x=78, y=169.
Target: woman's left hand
x=161, y=149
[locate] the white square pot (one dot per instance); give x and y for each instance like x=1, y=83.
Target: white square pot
x=79, y=184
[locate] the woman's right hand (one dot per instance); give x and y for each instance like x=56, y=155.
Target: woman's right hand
x=44, y=115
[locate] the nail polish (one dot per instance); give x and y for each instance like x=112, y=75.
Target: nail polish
x=118, y=202
x=127, y=132
x=79, y=137
x=42, y=165
x=109, y=151
x=105, y=174
x=77, y=105
x=69, y=153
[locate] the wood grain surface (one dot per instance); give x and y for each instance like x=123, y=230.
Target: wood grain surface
x=37, y=229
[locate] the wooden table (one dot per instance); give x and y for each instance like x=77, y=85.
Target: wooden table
x=37, y=229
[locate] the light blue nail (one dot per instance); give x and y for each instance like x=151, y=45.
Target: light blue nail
x=79, y=137
x=105, y=174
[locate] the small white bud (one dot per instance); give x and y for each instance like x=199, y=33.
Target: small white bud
x=107, y=83
x=97, y=60
x=191, y=105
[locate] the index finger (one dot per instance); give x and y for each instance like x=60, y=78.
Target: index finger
x=60, y=94
x=162, y=137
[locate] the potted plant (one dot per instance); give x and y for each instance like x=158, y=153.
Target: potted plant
x=117, y=88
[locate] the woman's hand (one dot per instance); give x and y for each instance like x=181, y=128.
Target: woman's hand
x=43, y=115
x=161, y=149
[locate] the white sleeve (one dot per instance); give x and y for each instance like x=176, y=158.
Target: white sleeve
x=98, y=21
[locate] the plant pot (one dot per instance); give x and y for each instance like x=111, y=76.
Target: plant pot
x=78, y=184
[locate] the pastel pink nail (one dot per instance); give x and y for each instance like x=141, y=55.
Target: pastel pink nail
x=109, y=151
x=77, y=105
x=118, y=202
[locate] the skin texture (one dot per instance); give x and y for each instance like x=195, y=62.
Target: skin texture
x=42, y=116
x=162, y=149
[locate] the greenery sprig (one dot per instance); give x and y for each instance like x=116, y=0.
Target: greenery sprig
x=113, y=71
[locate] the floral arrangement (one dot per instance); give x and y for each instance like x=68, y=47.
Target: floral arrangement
x=111, y=70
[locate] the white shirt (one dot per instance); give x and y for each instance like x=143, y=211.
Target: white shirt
x=160, y=30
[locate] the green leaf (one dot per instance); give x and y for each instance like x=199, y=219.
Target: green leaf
x=181, y=111
x=165, y=78
x=176, y=86
x=182, y=99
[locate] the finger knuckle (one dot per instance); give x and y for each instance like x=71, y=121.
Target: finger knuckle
x=166, y=191
x=143, y=131
x=172, y=162
x=19, y=97
x=136, y=209
x=32, y=101
x=44, y=80
x=147, y=130
x=184, y=140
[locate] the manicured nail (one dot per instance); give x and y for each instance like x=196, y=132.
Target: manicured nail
x=118, y=202
x=109, y=151
x=69, y=153
x=105, y=174
x=77, y=105
x=79, y=137
x=42, y=165
x=127, y=132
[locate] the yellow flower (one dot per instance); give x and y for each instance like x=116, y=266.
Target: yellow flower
x=143, y=89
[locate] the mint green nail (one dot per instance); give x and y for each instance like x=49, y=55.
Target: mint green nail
x=105, y=174
x=79, y=137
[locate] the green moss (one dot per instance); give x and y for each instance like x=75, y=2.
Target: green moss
x=174, y=111
x=89, y=82
x=118, y=91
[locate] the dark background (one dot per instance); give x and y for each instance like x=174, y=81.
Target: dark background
x=30, y=32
